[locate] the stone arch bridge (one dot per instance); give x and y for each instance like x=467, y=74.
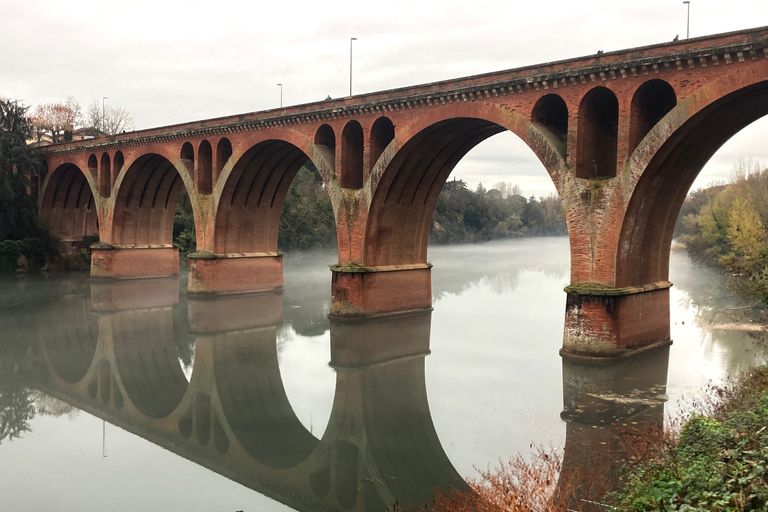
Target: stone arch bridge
x=622, y=135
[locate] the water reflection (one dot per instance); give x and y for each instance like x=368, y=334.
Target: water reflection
x=178, y=372
x=114, y=353
x=608, y=409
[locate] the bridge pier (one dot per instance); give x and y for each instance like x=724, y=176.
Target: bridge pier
x=133, y=262
x=224, y=274
x=358, y=291
x=603, y=322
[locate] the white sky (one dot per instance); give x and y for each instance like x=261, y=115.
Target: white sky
x=170, y=61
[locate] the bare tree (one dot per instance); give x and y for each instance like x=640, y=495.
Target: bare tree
x=108, y=119
x=57, y=120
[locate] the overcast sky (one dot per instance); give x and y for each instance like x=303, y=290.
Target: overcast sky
x=170, y=61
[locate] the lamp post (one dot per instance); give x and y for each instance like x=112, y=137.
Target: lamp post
x=103, y=114
x=688, y=20
x=281, y=95
x=350, y=63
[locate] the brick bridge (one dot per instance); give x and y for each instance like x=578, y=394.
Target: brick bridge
x=622, y=135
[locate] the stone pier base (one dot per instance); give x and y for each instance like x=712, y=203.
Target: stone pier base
x=124, y=262
x=224, y=274
x=608, y=323
x=359, y=292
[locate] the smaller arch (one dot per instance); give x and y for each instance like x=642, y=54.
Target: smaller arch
x=105, y=175
x=204, y=172
x=382, y=133
x=187, y=156
x=93, y=166
x=352, y=156
x=119, y=162
x=650, y=103
x=223, y=154
x=324, y=136
x=598, y=134
x=551, y=113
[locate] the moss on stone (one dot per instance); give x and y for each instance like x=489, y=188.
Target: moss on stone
x=202, y=255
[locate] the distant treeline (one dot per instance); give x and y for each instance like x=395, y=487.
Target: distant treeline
x=724, y=225
x=461, y=215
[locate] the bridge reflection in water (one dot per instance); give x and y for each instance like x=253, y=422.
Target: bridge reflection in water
x=117, y=353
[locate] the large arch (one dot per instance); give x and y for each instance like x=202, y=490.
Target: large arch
x=660, y=190
x=145, y=202
x=252, y=197
x=406, y=187
x=67, y=206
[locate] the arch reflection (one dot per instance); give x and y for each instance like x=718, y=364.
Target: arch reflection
x=232, y=415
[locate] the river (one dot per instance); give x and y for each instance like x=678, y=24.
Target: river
x=199, y=404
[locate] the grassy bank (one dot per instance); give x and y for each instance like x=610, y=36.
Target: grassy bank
x=718, y=461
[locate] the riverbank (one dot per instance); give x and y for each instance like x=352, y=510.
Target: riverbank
x=718, y=461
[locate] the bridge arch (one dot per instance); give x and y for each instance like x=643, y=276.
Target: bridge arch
x=666, y=163
x=409, y=176
x=251, y=196
x=68, y=204
x=145, y=201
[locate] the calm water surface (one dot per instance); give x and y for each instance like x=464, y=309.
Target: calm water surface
x=164, y=403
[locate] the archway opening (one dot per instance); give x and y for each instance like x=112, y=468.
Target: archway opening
x=273, y=179
x=146, y=203
x=119, y=162
x=597, y=150
x=204, y=168
x=382, y=133
x=223, y=154
x=405, y=211
x=551, y=114
x=352, y=156
x=105, y=176
x=67, y=207
x=651, y=102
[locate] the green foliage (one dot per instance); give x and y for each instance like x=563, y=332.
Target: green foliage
x=717, y=463
x=728, y=229
x=80, y=257
x=184, y=225
x=463, y=216
x=307, y=220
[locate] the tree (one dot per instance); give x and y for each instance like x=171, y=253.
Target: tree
x=56, y=119
x=13, y=118
x=108, y=119
x=746, y=235
x=17, y=163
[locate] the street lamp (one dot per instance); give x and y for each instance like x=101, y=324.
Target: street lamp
x=350, y=63
x=103, y=114
x=281, y=95
x=688, y=22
